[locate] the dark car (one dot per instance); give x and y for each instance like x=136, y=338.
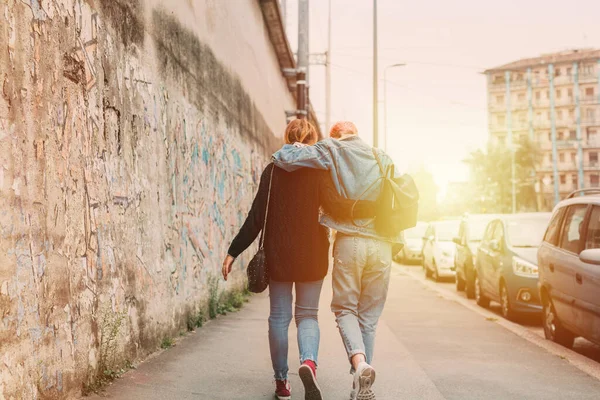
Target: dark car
x=470, y=235
x=569, y=261
x=506, y=265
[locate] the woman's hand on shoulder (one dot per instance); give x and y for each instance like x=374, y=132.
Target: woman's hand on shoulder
x=227, y=265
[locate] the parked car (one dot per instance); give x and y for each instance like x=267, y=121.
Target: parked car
x=438, y=249
x=569, y=261
x=506, y=264
x=470, y=234
x=412, y=252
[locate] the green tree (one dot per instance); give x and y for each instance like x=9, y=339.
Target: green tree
x=491, y=178
x=428, y=192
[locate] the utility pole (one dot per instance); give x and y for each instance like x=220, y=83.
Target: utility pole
x=301, y=86
x=328, y=76
x=375, y=80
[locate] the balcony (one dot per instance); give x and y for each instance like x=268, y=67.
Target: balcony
x=566, y=144
x=585, y=78
x=589, y=122
x=592, y=143
x=563, y=80
x=588, y=100
x=591, y=166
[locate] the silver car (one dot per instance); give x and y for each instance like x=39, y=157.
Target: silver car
x=569, y=270
x=439, y=249
x=412, y=252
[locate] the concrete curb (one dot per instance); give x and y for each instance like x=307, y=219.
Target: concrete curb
x=584, y=364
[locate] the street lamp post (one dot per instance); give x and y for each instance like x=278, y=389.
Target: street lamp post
x=385, y=106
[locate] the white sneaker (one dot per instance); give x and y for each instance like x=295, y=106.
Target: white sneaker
x=364, y=377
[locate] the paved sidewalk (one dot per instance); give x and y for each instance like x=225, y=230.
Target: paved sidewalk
x=428, y=348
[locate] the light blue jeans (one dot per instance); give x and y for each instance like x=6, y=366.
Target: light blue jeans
x=307, y=309
x=361, y=277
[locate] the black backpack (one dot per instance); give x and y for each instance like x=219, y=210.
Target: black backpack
x=397, y=203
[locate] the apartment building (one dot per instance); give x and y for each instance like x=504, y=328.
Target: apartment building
x=554, y=100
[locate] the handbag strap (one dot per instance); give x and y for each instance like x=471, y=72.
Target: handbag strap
x=262, y=236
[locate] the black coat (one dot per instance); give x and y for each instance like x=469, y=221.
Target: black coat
x=296, y=245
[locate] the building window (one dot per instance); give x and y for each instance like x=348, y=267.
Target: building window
x=572, y=135
x=558, y=93
x=569, y=72
x=561, y=158
x=559, y=114
x=521, y=97
x=538, y=95
x=593, y=157
x=561, y=136
x=570, y=94
x=589, y=92
x=594, y=180
x=549, y=136
x=590, y=114
x=548, y=94
x=563, y=179
x=574, y=179
x=573, y=157
x=587, y=69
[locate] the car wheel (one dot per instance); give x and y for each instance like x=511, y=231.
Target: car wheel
x=553, y=329
x=480, y=298
x=507, y=311
x=427, y=270
x=470, y=286
x=460, y=283
x=435, y=275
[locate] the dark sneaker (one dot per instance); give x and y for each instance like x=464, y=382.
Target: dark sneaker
x=283, y=390
x=308, y=374
x=364, y=377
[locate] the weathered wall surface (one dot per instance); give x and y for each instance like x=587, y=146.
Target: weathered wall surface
x=132, y=136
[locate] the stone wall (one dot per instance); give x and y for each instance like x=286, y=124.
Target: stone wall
x=132, y=137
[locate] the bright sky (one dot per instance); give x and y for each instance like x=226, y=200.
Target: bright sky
x=437, y=103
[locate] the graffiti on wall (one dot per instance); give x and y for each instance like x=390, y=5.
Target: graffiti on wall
x=119, y=185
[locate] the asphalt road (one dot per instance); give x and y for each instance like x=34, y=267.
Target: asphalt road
x=429, y=347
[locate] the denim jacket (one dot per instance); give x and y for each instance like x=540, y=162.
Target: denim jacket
x=353, y=169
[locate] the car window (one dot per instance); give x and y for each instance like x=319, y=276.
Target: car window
x=446, y=230
x=477, y=229
x=489, y=231
x=593, y=233
x=461, y=232
x=499, y=234
x=570, y=238
x=551, y=235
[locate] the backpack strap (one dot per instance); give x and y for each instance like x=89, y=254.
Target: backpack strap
x=378, y=161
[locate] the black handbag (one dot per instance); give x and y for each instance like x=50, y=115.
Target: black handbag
x=258, y=270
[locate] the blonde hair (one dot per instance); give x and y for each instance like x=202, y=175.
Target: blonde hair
x=300, y=130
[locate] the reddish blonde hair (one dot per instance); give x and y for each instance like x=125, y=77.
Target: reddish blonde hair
x=302, y=131
x=342, y=128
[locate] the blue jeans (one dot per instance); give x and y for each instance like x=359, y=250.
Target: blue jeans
x=307, y=309
x=361, y=277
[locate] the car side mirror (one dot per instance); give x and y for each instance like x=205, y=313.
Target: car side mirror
x=457, y=241
x=494, y=245
x=591, y=256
